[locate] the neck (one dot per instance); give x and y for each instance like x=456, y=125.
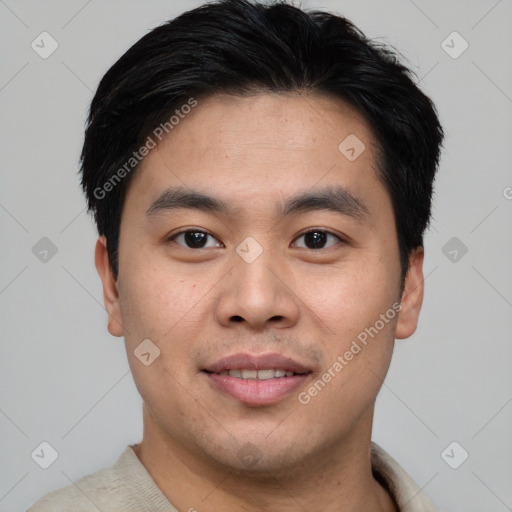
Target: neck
x=339, y=479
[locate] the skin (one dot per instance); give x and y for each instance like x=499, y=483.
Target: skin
x=198, y=305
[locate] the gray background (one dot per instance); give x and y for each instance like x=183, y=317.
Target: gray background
x=66, y=381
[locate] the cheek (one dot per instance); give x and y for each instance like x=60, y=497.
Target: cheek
x=352, y=298
x=361, y=310
x=162, y=307
x=358, y=347
x=157, y=299
x=359, y=307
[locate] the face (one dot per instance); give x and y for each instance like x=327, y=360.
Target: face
x=259, y=295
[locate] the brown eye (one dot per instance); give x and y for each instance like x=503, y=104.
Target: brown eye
x=192, y=239
x=318, y=239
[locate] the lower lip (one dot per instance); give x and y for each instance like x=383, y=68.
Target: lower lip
x=257, y=392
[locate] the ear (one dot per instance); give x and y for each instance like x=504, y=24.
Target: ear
x=412, y=296
x=110, y=291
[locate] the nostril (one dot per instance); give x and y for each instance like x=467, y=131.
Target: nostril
x=237, y=318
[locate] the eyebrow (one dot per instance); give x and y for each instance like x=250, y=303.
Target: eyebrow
x=333, y=198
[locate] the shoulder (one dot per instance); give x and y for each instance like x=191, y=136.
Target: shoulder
x=401, y=486
x=101, y=490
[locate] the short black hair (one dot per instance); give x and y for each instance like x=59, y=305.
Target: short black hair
x=242, y=47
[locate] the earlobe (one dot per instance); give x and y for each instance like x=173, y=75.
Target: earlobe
x=412, y=296
x=110, y=291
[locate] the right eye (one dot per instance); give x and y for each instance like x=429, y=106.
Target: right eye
x=192, y=239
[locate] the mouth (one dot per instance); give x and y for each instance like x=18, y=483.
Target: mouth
x=248, y=374
x=257, y=380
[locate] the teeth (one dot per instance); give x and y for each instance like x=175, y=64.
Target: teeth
x=257, y=374
x=268, y=374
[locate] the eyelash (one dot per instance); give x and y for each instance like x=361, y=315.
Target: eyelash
x=314, y=230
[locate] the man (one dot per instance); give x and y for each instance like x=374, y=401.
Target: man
x=261, y=178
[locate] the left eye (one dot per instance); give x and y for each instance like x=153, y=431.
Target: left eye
x=194, y=239
x=317, y=239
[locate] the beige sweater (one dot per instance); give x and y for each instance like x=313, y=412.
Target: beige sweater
x=128, y=487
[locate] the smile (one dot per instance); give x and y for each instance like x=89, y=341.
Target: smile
x=248, y=374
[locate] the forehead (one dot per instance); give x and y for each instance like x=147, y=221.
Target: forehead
x=296, y=116
x=255, y=144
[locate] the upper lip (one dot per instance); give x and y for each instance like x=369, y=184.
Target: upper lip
x=257, y=362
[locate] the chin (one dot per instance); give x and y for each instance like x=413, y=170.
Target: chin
x=260, y=461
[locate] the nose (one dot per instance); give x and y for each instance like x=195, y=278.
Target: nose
x=260, y=293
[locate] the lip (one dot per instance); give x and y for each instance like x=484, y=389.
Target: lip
x=259, y=362
x=257, y=392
